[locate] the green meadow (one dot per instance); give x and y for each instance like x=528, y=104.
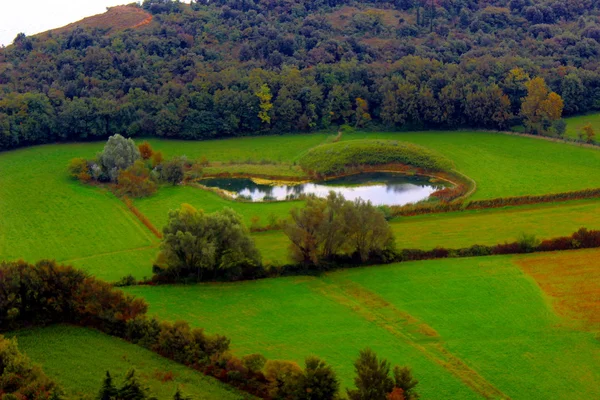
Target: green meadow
x=53, y=216
x=574, y=125
x=78, y=358
x=469, y=327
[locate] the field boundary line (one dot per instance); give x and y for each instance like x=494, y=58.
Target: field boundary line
x=141, y=217
x=407, y=328
x=110, y=253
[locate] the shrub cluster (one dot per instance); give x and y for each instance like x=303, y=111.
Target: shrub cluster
x=340, y=157
x=327, y=230
x=198, y=246
x=134, y=171
x=20, y=378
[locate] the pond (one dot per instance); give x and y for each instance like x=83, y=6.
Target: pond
x=380, y=188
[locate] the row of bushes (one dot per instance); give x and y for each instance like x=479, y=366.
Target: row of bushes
x=582, y=239
x=522, y=200
x=452, y=206
x=340, y=157
x=48, y=293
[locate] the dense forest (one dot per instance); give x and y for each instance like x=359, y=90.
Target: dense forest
x=225, y=68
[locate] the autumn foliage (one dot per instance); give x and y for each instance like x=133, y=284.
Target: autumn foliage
x=145, y=150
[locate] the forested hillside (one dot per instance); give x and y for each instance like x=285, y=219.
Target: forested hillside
x=224, y=68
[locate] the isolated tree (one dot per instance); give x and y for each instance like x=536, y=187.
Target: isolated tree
x=108, y=391
x=404, y=380
x=132, y=388
x=367, y=230
x=195, y=242
x=372, y=379
x=119, y=153
x=303, y=231
x=318, y=382
x=326, y=228
x=587, y=133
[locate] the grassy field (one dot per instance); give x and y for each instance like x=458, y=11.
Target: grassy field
x=518, y=327
x=574, y=125
x=469, y=327
x=45, y=214
x=52, y=216
x=463, y=229
x=78, y=358
x=504, y=165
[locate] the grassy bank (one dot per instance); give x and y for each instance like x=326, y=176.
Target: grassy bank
x=78, y=358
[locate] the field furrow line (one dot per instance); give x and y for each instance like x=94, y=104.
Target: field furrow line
x=110, y=253
x=407, y=328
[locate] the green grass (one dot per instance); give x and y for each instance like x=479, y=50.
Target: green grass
x=77, y=359
x=334, y=158
x=483, y=316
x=504, y=165
x=169, y=198
x=463, y=229
x=283, y=149
x=46, y=214
x=574, y=125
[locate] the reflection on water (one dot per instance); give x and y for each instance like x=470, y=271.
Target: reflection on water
x=380, y=188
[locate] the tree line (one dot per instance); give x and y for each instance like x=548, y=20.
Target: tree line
x=230, y=68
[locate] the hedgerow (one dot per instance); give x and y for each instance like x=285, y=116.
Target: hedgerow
x=522, y=200
x=342, y=157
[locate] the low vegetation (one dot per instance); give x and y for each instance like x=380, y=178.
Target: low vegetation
x=198, y=246
x=326, y=230
x=47, y=293
x=80, y=363
x=20, y=378
x=454, y=334
x=342, y=157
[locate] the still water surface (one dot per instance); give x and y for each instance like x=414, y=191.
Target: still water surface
x=380, y=188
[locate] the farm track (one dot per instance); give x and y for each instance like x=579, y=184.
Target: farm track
x=407, y=328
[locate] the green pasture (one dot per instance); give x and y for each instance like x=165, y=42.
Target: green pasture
x=463, y=229
x=78, y=358
x=504, y=165
x=46, y=214
x=469, y=327
x=574, y=125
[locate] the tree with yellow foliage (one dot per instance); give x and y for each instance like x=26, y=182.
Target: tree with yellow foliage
x=362, y=112
x=265, y=96
x=587, y=133
x=541, y=108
